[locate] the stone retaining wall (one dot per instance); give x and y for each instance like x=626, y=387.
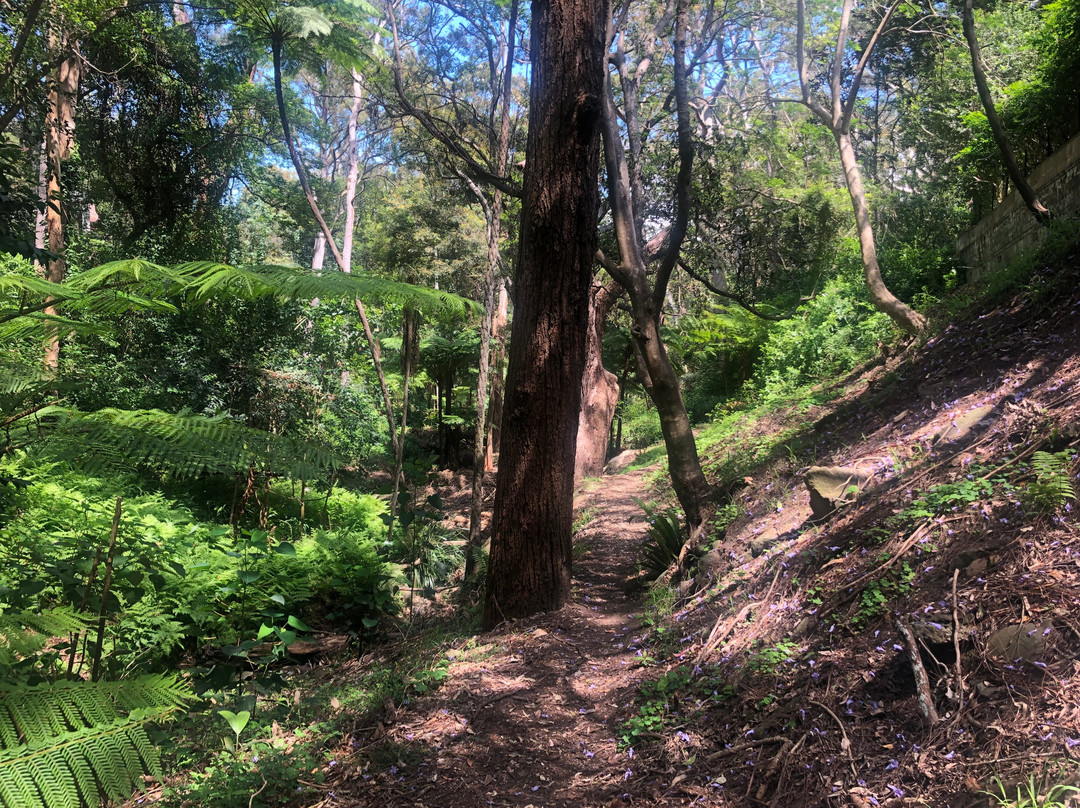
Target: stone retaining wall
x=1009, y=228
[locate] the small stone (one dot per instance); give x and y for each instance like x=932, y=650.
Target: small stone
x=761, y=544
x=804, y=627
x=962, y=425
x=1024, y=641
x=976, y=568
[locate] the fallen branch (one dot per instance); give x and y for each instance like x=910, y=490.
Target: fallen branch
x=717, y=636
x=957, y=668
x=922, y=680
x=742, y=747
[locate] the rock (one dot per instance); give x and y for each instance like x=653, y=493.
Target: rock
x=962, y=425
x=900, y=416
x=620, y=461
x=933, y=628
x=831, y=486
x=804, y=627
x=976, y=568
x=711, y=563
x=1024, y=641
x=709, y=567
x=761, y=544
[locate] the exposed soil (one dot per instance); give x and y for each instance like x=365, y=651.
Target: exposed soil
x=527, y=715
x=784, y=680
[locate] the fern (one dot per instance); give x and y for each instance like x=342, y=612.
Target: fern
x=23, y=634
x=67, y=743
x=184, y=444
x=1052, y=487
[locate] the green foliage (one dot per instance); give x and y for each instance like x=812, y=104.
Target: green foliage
x=768, y=659
x=664, y=539
x=666, y=702
x=1053, y=486
x=1032, y=794
x=640, y=422
x=830, y=335
x=64, y=743
x=876, y=598
x=24, y=633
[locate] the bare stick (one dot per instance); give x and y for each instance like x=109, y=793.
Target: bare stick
x=718, y=635
x=96, y=669
x=734, y=750
x=959, y=671
x=922, y=681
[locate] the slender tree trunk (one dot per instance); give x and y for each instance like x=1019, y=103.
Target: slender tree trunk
x=1042, y=215
x=494, y=418
x=599, y=389
x=59, y=139
x=531, y=538
x=343, y=264
x=884, y=300
x=494, y=216
x=410, y=349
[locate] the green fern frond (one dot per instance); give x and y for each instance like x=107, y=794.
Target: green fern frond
x=67, y=743
x=35, y=713
x=1052, y=487
x=23, y=633
x=207, y=279
x=183, y=444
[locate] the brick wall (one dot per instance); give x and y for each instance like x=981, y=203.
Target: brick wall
x=1009, y=228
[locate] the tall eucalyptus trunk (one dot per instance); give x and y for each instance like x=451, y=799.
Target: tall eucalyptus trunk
x=529, y=570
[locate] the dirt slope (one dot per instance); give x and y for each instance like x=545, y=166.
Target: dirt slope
x=785, y=680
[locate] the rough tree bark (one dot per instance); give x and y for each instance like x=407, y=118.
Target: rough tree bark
x=59, y=140
x=1041, y=213
x=838, y=120
x=498, y=362
x=529, y=570
x=599, y=389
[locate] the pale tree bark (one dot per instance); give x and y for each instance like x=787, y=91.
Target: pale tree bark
x=838, y=120
x=59, y=140
x=529, y=570
x=1041, y=213
x=343, y=264
x=599, y=389
x=647, y=295
x=498, y=362
x=493, y=214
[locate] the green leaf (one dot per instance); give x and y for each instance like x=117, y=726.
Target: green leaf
x=248, y=576
x=278, y=599
x=286, y=549
x=237, y=721
x=297, y=623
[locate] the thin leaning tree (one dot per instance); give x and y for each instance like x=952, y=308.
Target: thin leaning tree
x=835, y=113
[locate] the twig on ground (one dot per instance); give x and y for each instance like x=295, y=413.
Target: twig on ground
x=742, y=747
x=717, y=636
x=958, y=668
x=922, y=680
x=786, y=754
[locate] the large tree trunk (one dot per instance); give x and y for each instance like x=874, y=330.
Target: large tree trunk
x=599, y=390
x=884, y=300
x=531, y=540
x=1038, y=209
x=59, y=139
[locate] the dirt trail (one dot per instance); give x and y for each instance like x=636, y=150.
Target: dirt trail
x=527, y=714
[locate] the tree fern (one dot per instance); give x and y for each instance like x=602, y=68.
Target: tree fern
x=183, y=444
x=67, y=743
x=23, y=634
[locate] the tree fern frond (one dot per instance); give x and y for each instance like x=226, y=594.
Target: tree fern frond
x=209, y=279
x=23, y=633
x=183, y=444
x=103, y=759
x=1053, y=485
